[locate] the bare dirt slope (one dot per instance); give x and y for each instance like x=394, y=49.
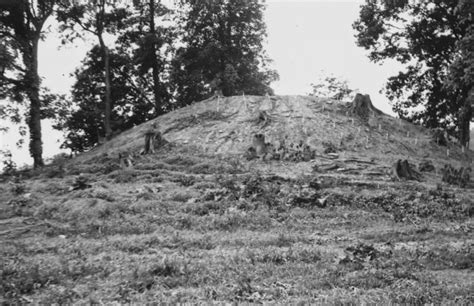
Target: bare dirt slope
x=197, y=222
x=225, y=126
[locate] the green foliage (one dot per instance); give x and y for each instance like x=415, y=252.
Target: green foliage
x=332, y=87
x=154, y=69
x=84, y=124
x=149, y=47
x=222, y=50
x=9, y=166
x=433, y=41
x=21, y=29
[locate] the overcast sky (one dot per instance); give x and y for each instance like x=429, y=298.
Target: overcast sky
x=304, y=38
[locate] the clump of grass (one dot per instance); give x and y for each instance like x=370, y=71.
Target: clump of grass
x=101, y=193
x=168, y=272
x=182, y=160
x=23, y=206
x=282, y=256
x=205, y=168
x=61, y=295
x=157, y=165
x=124, y=176
x=205, y=185
x=206, y=207
x=181, y=196
x=284, y=240
x=18, y=278
x=55, y=188
x=185, y=180
x=234, y=219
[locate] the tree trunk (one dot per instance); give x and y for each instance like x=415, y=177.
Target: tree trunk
x=362, y=107
x=33, y=86
x=155, y=68
x=465, y=116
x=108, y=108
x=403, y=170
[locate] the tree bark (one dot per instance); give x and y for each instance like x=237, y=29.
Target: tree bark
x=362, y=107
x=32, y=81
x=155, y=68
x=465, y=116
x=108, y=108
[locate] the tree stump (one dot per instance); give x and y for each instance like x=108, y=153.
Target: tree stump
x=152, y=138
x=403, y=170
x=363, y=108
x=439, y=137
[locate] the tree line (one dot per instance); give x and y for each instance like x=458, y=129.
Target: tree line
x=164, y=58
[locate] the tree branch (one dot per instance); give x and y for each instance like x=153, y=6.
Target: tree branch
x=8, y=34
x=136, y=87
x=10, y=80
x=17, y=67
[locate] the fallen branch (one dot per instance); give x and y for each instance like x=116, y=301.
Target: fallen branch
x=353, y=160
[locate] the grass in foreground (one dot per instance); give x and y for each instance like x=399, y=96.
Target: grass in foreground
x=190, y=229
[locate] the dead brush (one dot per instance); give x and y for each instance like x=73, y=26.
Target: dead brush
x=81, y=182
x=329, y=147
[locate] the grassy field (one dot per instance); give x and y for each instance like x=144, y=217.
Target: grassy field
x=182, y=226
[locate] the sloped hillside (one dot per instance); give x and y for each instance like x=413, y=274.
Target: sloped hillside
x=226, y=126
x=198, y=222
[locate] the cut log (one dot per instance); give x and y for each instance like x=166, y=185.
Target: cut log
x=439, y=137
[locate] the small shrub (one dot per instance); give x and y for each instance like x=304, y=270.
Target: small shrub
x=9, y=166
x=81, y=182
x=18, y=186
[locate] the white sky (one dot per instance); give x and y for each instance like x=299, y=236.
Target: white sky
x=304, y=38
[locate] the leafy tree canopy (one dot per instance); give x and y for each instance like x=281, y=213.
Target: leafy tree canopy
x=221, y=49
x=128, y=106
x=434, y=40
x=21, y=29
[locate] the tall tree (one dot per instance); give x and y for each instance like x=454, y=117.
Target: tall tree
x=461, y=72
x=149, y=46
x=221, y=50
x=131, y=106
x=96, y=17
x=426, y=37
x=21, y=29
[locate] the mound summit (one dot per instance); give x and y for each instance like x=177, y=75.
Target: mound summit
x=225, y=125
